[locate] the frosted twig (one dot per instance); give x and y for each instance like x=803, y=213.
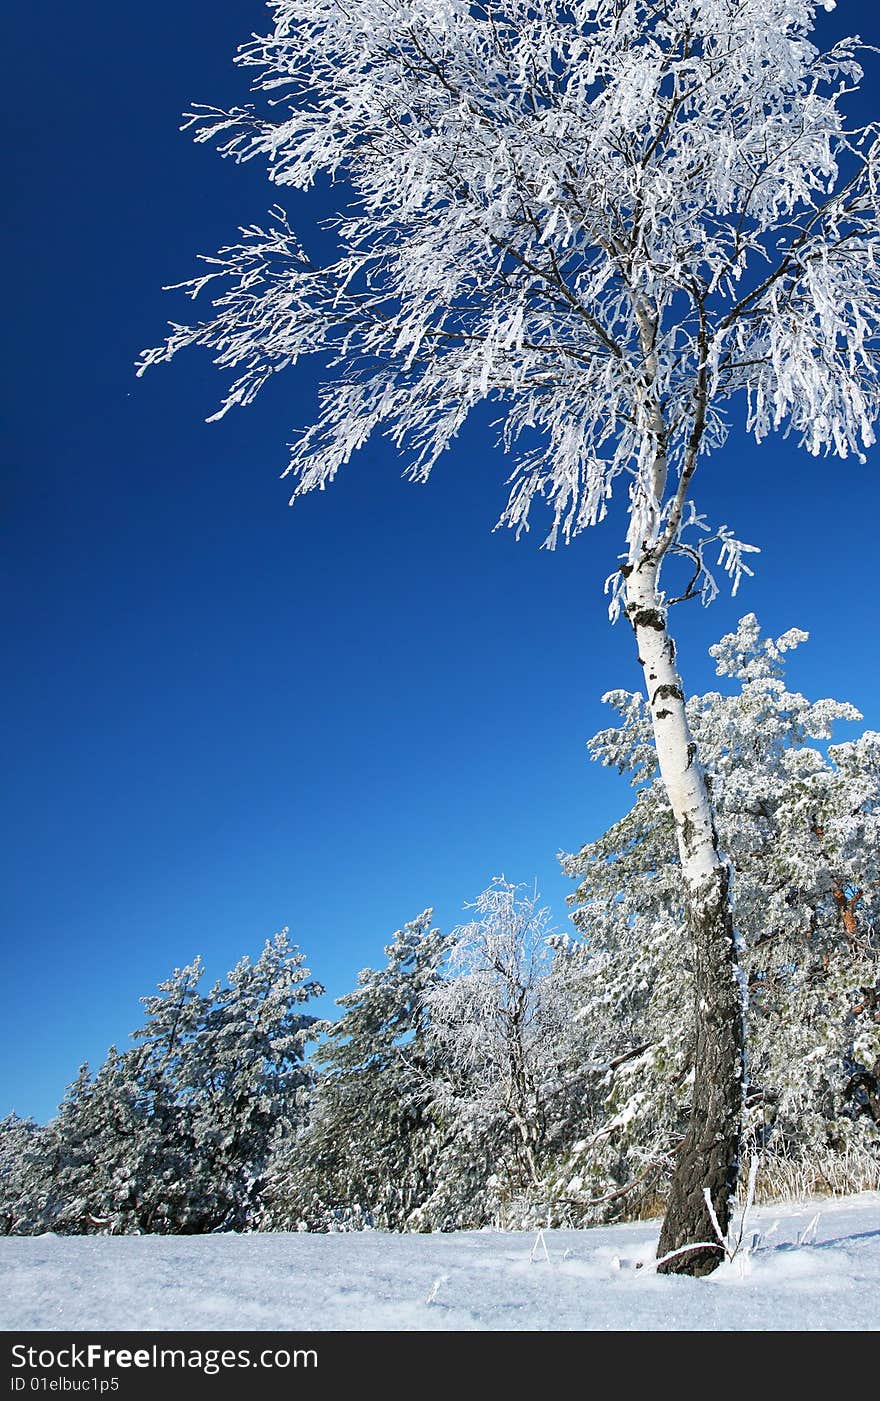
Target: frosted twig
x=730, y=1247
x=747, y=1206
x=714, y=1219
x=539, y=1242
x=808, y=1234
x=682, y=1250
x=432, y=1293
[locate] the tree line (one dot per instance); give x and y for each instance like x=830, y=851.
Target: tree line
x=507, y=1073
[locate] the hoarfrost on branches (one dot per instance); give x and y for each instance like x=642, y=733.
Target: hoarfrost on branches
x=608, y=218
x=501, y=1027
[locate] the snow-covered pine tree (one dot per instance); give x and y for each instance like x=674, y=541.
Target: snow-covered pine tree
x=24, y=1177
x=175, y=1178
x=106, y=1161
x=801, y=821
x=248, y=1077
x=173, y=1135
x=123, y=1149
x=370, y=1154
x=502, y=1031
x=610, y=219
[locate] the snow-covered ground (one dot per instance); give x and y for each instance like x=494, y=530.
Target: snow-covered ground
x=801, y=1274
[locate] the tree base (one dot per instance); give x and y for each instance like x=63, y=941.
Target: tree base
x=693, y=1262
x=708, y=1160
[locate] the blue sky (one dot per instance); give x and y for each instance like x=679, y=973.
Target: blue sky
x=222, y=716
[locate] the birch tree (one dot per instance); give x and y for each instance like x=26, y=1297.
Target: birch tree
x=501, y=1028
x=801, y=824
x=619, y=222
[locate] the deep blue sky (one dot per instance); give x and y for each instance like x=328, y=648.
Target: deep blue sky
x=222, y=716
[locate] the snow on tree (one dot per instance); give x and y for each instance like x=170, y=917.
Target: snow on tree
x=174, y=1134
x=370, y=1152
x=171, y=1182
x=609, y=219
x=500, y=1025
x=24, y=1176
x=800, y=819
x=250, y=1082
x=109, y=1159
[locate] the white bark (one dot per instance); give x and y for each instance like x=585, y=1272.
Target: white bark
x=708, y=1160
x=676, y=751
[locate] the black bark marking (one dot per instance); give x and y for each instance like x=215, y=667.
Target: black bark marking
x=688, y=833
x=662, y=714
x=692, y=751
x=667, y=692
x=649, y=618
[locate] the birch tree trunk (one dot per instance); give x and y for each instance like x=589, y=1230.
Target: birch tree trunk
x=709, y=1156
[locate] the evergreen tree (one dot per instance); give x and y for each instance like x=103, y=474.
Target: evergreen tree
x=370, y=1153
x=24, y=1177
x=176, y=1181
x=116, y=1165
x=174, y=1134
x=248, y=1077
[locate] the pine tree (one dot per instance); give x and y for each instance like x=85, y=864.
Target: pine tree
x=248, y=1078
x=24, y=1177
x=97, y=1144
x=370, y=1154
x=176, y=1180
x=174, y=1134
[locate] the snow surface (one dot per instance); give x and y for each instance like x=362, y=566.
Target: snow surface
x=799, y=1276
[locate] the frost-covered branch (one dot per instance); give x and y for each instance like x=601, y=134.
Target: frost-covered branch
x=610, y=219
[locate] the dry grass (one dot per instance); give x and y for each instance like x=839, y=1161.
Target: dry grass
x=783, y=1179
